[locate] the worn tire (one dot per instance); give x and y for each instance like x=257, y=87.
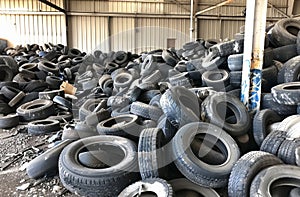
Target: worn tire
x=218, y=79
x=6, y=73
x=145, y=110
x=39, y=127
x=246, y=169
x=150, y=154
x=287, y=174
x=36, y=109
x=211, y=111
x=235, y=62
x=261, y=121
x=287, y=93
x=122, y=125
x=285, y=31
x=273, y=141
x=287, y=151
x=46, y=164
x=9, y=121
x=102, y=182
x=180, y=105
x=199, y=172
x=290, y=71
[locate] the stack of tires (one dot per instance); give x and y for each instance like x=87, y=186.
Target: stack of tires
x=165, y=122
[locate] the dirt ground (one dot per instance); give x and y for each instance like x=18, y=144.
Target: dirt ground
x=17, y=149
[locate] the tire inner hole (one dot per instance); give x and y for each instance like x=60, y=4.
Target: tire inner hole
x=283, y=186
x=209, y=149
x=226, y=112
x=190, y=193
x=35, y=106
x=49, y=65
x=146, y=194
x=100, y=156
x=291, y=88
x=116, y=122
x=216, y=76
x=293, y=30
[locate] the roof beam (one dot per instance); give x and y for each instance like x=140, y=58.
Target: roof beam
x=213, y=7
x=278, y=10
x=53, y=6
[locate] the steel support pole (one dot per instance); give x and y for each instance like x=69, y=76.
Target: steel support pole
x=192, y=20
x=260, y=21
x=249, y=30
x=253, y=53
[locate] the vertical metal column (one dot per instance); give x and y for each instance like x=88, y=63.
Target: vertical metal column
x=248, y=37
x=192, y=20
x=251, y=81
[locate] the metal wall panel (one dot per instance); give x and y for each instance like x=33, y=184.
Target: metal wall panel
x=28, y=5
x=30, y=29
x=153, y=33
x=88, y=33
x=122, y=34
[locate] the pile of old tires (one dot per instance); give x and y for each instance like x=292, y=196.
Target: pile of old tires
x=163, y=123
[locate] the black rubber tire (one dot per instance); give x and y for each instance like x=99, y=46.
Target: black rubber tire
x=63, y=102
x=273, y=141
x=199, y=172
x=285, y=53
x=121, y=57
x=39, y=127
x=246, y=168
x=145, y=110
x=215, y=107
x=290, y=71
x=48, y=67
x=287, y=93
x=35, y=110
x=148, y=66
x=101, y=182
x=211, y=61
x=182, y=185
x=169, y=130
x=150, y=153
x=180, y=105
x=72, y=52
x=287, y=175
x=225, y=49
x=261, y=121
x=285, y=31
x=89, y=106
x=10, y=63
x=154, y=78
x=235, y=78
x=62, y=117
x=35, y=86
x=268, y=102
x=54, y=82
x=6, y=73
x=210, y=42
x=122, y=125
x=123, y=80
x=169, y=57
x=9, y=92
x=218, y=79
x=46, y=164
x=235, y=62
x=95, y=117
x=155, y=186
x=287, y=150
x=9, y=121
x=147, y=96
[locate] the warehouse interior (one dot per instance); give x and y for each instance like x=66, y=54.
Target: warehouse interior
x=150, y=98
x=87, y=24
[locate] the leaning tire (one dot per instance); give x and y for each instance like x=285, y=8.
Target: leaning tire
x=215, y=107
x=34, y=110
x=199, y=172
x=285, y=31
x=287, y=93
x=102, y=182
x=246, y=169
x=287, y=175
